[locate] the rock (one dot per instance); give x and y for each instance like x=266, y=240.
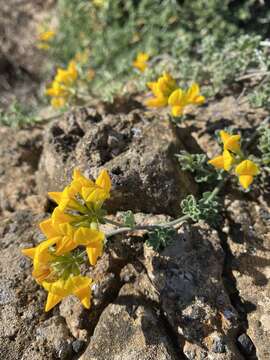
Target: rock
x=78, y=345
x=19, y=157
x=25, y=331
x=76, y=317
x=54, y=333
x=249, y=245
x=245, y=344
x=130, y=329
x=188, y=277
x=144, y=171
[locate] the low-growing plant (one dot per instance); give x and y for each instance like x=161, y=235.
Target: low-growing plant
x=17, y=115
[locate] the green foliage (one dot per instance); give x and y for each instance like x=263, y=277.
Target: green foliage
x=264, y=144
x=207, y=208
x=260, y=97
x=128, y=219
x=17, y=115
x=212, y=42
x=159, y=238
x=197, y=164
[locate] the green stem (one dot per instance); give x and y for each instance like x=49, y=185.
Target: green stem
x=124, y=229
x=216, y=190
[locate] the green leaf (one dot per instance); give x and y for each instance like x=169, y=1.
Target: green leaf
x=128, y=219
x=159, y=238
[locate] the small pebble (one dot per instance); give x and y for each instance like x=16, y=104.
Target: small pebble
x=245, y=344
x=77, y=345
x=218, y=346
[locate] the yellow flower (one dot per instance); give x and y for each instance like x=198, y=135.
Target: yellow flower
x=66, y=238
x=60, y=88
x=193, y=96
x=58, y=102
x=161, y=89
x=179, y=99
x=56, y=90
x=42, y=258
x=95, y=249
x=59, y=217
x=67, y=197
x=246, y=171
x=43, y=46
x=72, y=70
x=177, y=102
x=230, y=142
x=224, y=161
x=100, y=191
x=46, y=35
x=91, y=192
x=80, y=286
x=67, y=76
x=140, y=62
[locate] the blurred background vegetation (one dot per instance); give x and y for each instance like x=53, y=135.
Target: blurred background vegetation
x=221, y=44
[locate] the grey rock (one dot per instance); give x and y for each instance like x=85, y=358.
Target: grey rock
x=245, y=344
x=55, y=334
x=250, y=266
x=19, y=157
x=187, y=275
x=144, y=171
x=78, y=345
x=218, y=345
x=130, y=329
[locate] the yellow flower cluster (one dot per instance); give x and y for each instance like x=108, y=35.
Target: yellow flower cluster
x=166, y=92
x=44, y=39
x=232, y=157
x=74, y=223
x=60, y=90
x=140, y=62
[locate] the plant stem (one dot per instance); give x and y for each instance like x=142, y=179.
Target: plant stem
x=124, y=229
x=112, y=222
x=216, y=190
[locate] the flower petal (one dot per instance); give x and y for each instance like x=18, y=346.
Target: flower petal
x=104, y=180
x=55, y=196
x=48, y=229
x=176, y=98
x=228, y=160
x=94, y=253
x=224, y=136
x=245, y=180
x=30, y=252
x=247, y=167
x=88, y=237
x=232, y=143
x=52, y=300
x=217, y=162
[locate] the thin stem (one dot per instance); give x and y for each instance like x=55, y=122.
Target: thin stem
x=124, y=229
x=216, y=190
x=112, y=222
x=253, y=74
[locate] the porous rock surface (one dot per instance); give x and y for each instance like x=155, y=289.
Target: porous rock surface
x=130, y=329
x=249, y=246
x=19, y=157
x=206, y=296
x=138, y=151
